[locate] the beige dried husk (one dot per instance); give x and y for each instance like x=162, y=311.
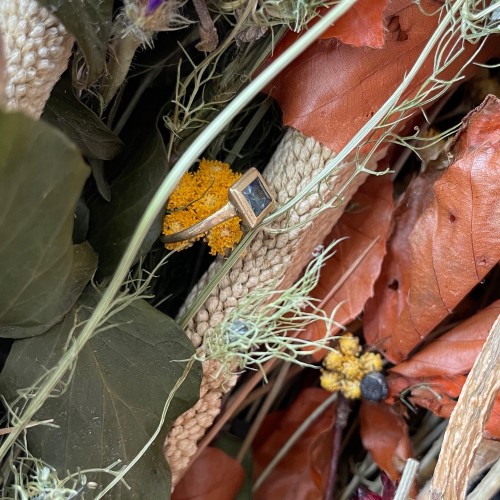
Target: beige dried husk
x=36, y=51
x=272, y=258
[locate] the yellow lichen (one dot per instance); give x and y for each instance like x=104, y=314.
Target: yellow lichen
x=198, y=195
x=344, y=368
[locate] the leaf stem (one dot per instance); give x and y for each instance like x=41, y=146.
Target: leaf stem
x=342, y=414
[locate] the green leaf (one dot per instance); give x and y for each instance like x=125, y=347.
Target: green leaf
x=90, y=22
x=41, y=178
x=113, y=404
x=80, y=124
x=141, y=168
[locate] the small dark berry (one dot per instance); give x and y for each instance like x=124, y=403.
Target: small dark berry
x=374, y=387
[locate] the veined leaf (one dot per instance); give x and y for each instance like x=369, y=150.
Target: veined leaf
x=451, y=246
x=80, y=124
x=141, y=167
x=118, y=389
x=303, y=471
x=42, y=176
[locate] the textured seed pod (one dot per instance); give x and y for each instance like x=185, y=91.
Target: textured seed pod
x=374, y=387
x=271, y=257
x=36, y=49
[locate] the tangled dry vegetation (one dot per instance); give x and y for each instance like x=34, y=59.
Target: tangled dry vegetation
x=367, y=301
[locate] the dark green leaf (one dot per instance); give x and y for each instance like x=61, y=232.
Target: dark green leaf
x=141, y=168
x=80, y=124
x=90, y=22
x=116, y=396
x=41, y=178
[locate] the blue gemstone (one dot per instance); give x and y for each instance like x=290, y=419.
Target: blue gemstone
x=257, y=196
x=237, y=329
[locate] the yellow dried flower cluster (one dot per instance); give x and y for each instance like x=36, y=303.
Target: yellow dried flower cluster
x=344, y=368
x=198, y=195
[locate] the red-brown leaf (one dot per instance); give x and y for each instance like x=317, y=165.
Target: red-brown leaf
x=361, y=26
x=332, y=90
x=384, y=434
x=302, y=473
x=455, y=352
x=213, y=476
x=437, y=373
x=391, y=287
x=366, y=226
x=453, y=245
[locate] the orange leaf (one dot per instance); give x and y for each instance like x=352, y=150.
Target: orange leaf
x=455, y=352
x=332, y=90
x=213, y=476
x=439, y=395
x=436, y=374
x=303, y=471
x=391, y=287
x=361, y=26
x=452, y=246
x=384, y=434
x=358, y=258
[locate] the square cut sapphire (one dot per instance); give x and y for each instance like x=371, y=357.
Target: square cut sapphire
x=257, y=196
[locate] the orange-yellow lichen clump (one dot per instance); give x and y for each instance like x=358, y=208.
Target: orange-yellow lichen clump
x=345, y=367
x=198, y=195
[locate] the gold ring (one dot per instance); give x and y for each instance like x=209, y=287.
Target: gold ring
x=249, y=199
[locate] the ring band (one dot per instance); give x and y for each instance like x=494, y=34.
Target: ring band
x=249, y=199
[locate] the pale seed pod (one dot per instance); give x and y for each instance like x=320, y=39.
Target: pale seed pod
x=37, y=48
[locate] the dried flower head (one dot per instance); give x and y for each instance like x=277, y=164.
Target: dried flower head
x=333, y=360
x=331, y=381
x=198, y=195
x=345, y=368
x=351, y=389
x=349, y=345
x=371, y=362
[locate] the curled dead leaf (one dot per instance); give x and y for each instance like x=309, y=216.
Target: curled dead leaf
x=213, y=476
x=384, y=434
x=451, y=247
x=303, y=471
x=347, y=278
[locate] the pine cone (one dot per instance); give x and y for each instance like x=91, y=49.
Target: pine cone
x=36, y=49
x=270, y=257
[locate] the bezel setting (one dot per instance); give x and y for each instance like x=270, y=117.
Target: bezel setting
x=242, y=201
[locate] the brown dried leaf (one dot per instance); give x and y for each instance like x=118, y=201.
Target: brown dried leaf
x=348, y=277
x=213, y=476
x=453, y=245
x=361, y=26
x=302, y=473
x=436, y=374
x=332, y=90
x=384, y=434
x=455, y=352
